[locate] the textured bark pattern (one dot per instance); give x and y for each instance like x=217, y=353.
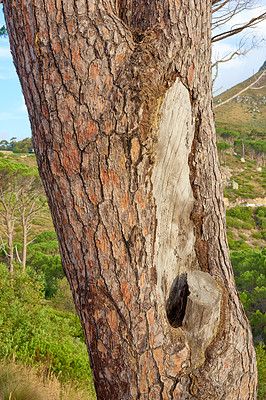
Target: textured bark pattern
x=94, y=75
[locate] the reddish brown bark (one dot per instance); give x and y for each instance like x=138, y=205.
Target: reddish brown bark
x=94, y=75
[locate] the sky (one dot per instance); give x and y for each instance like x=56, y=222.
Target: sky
x=14, y=120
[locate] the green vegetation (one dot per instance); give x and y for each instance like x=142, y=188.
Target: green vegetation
x=3, y=31
x=36, y=334
x=240, y=123
x=261, y=362
x=38, y=323
x=248, y=257
x=44, y=260
x=21, y=146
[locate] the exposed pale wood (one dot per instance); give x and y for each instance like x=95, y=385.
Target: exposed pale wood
x=202, y=314
x=175, y=239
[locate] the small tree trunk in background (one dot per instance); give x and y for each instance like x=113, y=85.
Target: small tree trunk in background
x=9, y=231
x=119, y=98
x=243, y=149
x=24, y=245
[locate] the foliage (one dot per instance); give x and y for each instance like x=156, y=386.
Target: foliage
x=22, y=146
x=13, y=169
x=44, y=259
x=242, y=213
x=63, y=299
x=261, y=362
x=249, y=267
x=221, y=146
x=38, y=334
x=3, y=31
x=21, y=200
x=261, y=216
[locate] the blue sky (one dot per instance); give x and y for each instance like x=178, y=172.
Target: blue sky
x=13, y=114
x=14, y=120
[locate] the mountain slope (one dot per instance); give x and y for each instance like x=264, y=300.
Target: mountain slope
x=247, y=109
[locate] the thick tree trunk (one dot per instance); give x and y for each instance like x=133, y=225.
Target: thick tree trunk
x=119, y=98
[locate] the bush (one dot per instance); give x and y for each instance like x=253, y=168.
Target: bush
x=63, y=299
x=262, y=222
x=257, y=235
x=233, y=222
x=43, y=258
x=37, y=334
x=258, y=324
x=237, y=244
x=242, y=213
x=261, y=362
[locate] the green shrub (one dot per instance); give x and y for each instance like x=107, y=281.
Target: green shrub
x=248, y=225
x=233, y=222
x=230, y=234
x=36, y=333
x=257, y=235
x=63, y=299
x=260, y=211
x=261, y=362
x=242, y=213
x=262, y=222
x=43, y=258
x=258, y=324
x=237, y=244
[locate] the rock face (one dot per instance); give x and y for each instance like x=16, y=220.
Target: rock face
x=263, y=66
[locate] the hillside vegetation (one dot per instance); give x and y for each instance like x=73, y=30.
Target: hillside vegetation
x=241, y=128
x=247, y=109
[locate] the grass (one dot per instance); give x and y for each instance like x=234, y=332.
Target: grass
x=18, y=382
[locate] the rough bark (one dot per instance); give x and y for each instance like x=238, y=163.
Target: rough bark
x=119, y=99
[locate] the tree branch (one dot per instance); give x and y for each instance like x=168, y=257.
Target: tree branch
x=232, y=32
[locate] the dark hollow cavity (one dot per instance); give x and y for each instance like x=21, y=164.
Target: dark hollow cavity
x=177, y=301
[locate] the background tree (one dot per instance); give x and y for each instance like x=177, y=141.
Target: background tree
x=10, y=190
x=31, y=203
x=21, y=199
x=222, y=147
x=119, y=98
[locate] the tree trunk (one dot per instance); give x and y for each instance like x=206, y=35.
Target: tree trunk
x=119, y=99
x=243, y=149
x=24, y=244
x=9, y=232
